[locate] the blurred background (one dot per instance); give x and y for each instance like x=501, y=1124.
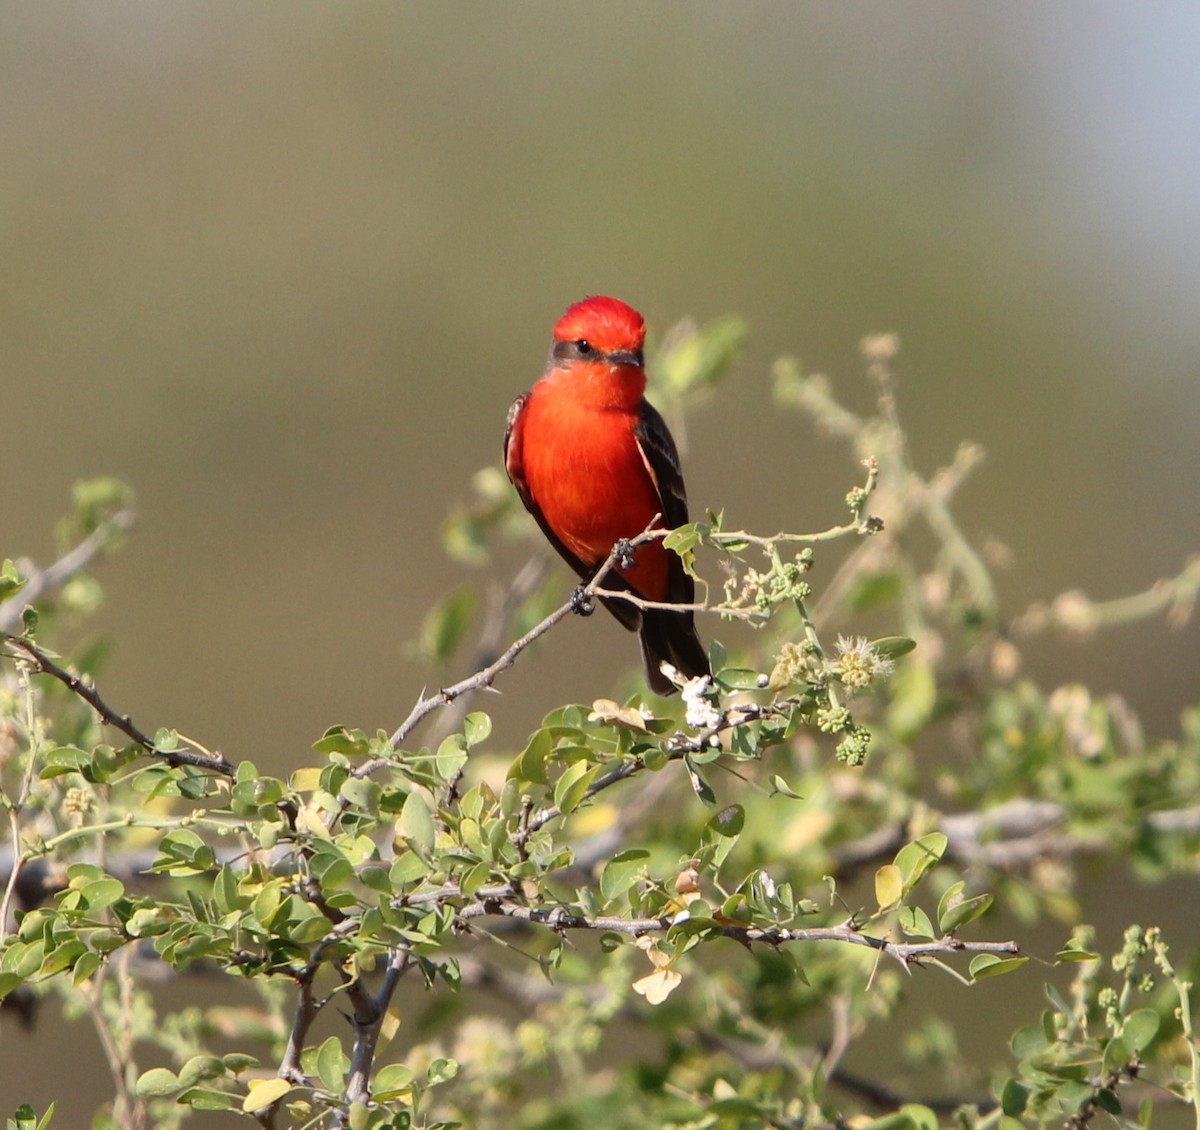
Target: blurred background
x=283, y=267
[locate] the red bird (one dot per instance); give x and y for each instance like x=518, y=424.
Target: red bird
x=594, y=463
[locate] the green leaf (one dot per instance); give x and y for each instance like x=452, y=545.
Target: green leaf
x=572, y=786
x=737, y=679
x=441, y=1070
x=361, y=793
x=477, y=726
x=915, y=923
x=445, y=625
x=392, y=1082
x=622, y=871
x=1116, y=1056
x=338, y=739
x=728, y=822
x=889, y=886
x=451, y=756
x=332, y=1064
x=11, y=582
x=700, y=786
x=954, y=911
x=914, y=859
x=1013, y=1098
x=780, y=787
x=1141, y=1026
x=1073, y=953
x=993, y=965
x=913, y=696
x=892, y=647
x=199, y=1068
x=531, y=765
x=263, y=1094
x=696, y=358
x=155, y=1082
x=954, y=915
x=416, y=823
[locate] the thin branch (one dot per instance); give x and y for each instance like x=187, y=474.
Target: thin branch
x=557, y=919
x=55, y=576
x=485, y=676
x=86, y=691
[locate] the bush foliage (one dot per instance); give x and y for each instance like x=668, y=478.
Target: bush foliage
x=686, y=913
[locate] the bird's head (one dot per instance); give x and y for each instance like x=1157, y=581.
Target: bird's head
x=599, y=329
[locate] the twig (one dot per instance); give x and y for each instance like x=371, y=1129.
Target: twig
x=485, y=676
x=123, y=722
x=557, y=919
x=55, y=576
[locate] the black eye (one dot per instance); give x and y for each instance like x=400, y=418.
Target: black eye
x=584, y=346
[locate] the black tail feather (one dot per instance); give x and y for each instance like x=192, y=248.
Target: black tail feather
x=671, y=637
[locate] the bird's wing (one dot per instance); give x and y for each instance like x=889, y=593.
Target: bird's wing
x=662, y=461
x=661, y=458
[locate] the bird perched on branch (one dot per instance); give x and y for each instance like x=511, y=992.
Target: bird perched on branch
x=594, y=463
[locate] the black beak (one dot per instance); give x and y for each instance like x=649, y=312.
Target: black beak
x=625, y=357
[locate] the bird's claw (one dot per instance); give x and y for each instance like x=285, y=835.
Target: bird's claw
x=581, y=601
x=623, y=554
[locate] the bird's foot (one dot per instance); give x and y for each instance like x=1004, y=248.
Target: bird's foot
x=581, y=601
x=623, y=554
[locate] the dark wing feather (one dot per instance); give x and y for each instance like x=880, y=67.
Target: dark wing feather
x=661, y=457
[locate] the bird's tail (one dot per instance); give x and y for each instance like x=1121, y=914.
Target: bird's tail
x=670, y=637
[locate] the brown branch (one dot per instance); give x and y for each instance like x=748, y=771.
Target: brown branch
x=123, y=722
x=558, y=919
x=369, y=1013
x=485, y=676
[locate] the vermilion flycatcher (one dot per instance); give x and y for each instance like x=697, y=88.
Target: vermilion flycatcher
x=594, y=463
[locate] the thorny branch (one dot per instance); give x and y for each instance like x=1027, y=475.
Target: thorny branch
x=123, y=722
x=556, y=918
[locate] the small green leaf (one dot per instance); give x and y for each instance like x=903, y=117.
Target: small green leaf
x=11, y=582
x=263, y=1094
x=1071, y=953
x=1013, y=1098
x=993, y=965
x=1141, y=1026
x=957, y=915
x=892, y=647
x=914, y=694
x=441, y=1070
x=571, y=788
x=622, y=871
x=1116, y=1056
x=915, y=923
x=699, y=785
x=780, y=787
x=416, y=823
x=729, y=821
x=155, y=1082
x=445, y=625
x=477, y=726
x=916, y=858
x=332, y=1064
x=531, y=765
x=889, y=886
